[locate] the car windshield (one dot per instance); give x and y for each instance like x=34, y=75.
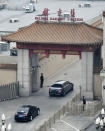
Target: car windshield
x=57, y=85
x=23, y=110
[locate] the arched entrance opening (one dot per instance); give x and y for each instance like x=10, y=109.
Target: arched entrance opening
x=56, y=38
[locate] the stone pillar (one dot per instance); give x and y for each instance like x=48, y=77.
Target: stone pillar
x=103, y=89
x=103, y=46
x=35, y=72
x=87, y=74
x=102, y=73
x=23, y=74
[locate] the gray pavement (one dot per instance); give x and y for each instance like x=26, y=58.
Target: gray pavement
x=70, y=72
x=68, y=122
x=48, y=105
x=73, y=123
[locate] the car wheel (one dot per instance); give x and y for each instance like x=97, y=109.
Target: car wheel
x=50, y=95
x=31, y=118
x=64, y=94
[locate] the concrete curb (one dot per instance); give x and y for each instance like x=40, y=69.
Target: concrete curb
x=88, y=126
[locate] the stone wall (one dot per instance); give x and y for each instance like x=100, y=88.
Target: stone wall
x=8, y=73
x=97, y=86
x=49, y=66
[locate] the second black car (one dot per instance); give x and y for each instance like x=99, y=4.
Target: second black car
x=60, y=88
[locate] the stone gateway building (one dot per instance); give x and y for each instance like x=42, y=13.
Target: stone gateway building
x=57, y=38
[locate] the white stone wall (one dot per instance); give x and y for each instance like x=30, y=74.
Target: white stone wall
x=23, y=75
x=35, y=74
x=102, y=74
x=8, y=59
x=87, y=74
x=7, y=76
x=103, y=91
x=97, y=86
x=103, y=46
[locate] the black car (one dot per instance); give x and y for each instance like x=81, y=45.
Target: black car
x=60, y=88
x=27, y=113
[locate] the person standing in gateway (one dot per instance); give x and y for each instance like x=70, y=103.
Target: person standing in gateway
x=84, y=102
x=41, y=80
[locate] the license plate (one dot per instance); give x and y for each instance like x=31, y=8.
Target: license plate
x=20, y=116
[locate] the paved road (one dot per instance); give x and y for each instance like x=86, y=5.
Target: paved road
x=71, y=72
x=92, y=128
x=48, y=105
x=72, y=123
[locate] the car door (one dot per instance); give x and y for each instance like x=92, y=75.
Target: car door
x=35, y=111
x=70, y=86
x=31, y=111
x=66, y=88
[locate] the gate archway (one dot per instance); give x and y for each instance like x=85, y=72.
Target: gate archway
x=56, y=38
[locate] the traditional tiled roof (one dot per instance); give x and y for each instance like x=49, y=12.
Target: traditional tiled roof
x=97, y=23
x=57, y=33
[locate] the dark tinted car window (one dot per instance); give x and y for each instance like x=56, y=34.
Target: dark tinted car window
x=64, y=84
x=57, y=85
x=23, y=109
x=35, y=108
x=67, y=83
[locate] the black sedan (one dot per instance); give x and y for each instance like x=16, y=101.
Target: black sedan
x=60, y=88
x=26, y=113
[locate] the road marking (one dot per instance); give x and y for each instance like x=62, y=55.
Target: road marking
x=70, y=125
x=54, y=129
